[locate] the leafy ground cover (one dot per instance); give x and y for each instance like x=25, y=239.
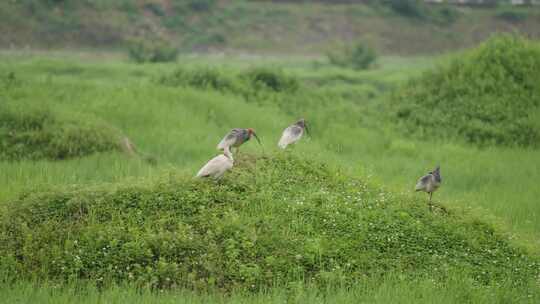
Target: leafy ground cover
x=274, y=221
x=490, y=95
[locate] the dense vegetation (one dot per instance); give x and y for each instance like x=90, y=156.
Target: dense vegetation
x=150, y=218
x=32, y=132
x=197, y=25
x=273, y=221
x=490, y=95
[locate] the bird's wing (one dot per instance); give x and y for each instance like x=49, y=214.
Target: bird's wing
x=228, y=140
x=422, y=182
x=212, y=166
x=289, y=136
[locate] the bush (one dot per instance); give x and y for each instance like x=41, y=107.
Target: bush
x=358, y=57
x=40, y=134
x=486, y=96
x=512, y=15
x=245, y=83
x=142, y=51
x=201, y=78
x=297, y=222
x=274, y=80
x=409, y=8
x=201, y=5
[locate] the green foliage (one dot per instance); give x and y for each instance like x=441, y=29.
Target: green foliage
x=272, y=221
x=358, y=57
x=201, y=5
x=201, y=78
x=512, y=15
x=408, y=8
x=271, y=79
x=142, y=51
x=246, y=82
x=37, y=133
x=418, y=10
x=487, y=96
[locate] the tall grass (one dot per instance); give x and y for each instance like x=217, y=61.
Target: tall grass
x=392, y=289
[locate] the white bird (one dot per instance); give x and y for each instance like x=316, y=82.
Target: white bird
x=217, y=166
x=430, y=182
x=293, y=133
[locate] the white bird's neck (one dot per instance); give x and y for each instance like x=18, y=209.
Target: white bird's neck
x=228, y=154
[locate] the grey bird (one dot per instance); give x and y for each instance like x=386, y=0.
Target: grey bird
x=236, y=137
x=430, y=182
x=293, y=133
x=218, y=165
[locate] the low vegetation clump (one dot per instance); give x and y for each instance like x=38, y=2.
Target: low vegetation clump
x=245, y=83
x=487, y=96
x=37, y=133
x=513, y=15
x=418, y=9
x=358, y=57
x=142, y=51
x=271, y=221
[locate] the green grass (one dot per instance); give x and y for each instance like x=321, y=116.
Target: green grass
x=181, y=126
x=390, y=290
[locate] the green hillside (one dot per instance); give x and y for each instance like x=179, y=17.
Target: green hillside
x=260, y=26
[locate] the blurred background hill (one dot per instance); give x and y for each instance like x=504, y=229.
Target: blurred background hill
x=281, y=26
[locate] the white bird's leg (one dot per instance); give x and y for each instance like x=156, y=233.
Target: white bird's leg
x=430, y=196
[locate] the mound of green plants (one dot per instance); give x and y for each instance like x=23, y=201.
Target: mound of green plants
x=487, y=96
x=271, y=221
x=358, y=57
x=37, y=133
x=152, y=51
x=239, y=82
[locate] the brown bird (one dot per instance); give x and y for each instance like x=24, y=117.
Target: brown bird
x=236, y=137
x=430, y=182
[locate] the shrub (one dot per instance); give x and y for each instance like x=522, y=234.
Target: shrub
x=408, y=8
x=297, y=221
x=40, y=134
x=358, y=57
x=446, y=15
x=245, y=83
x=274, y=80
x=9, y=80
x=486, y=96
x=201, y=78
x=142, y=51
x=512, y=15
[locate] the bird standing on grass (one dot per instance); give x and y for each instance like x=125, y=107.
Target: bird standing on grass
x=236, y=137
x=293, y=133
x=217, y=166
x=430, y=182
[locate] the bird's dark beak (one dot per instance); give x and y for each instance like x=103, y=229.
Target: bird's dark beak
x=307, y=130
x=257, y=138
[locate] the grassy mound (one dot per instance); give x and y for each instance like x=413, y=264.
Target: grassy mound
x=272, y=220
x=490, y=95
x=34, y=133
